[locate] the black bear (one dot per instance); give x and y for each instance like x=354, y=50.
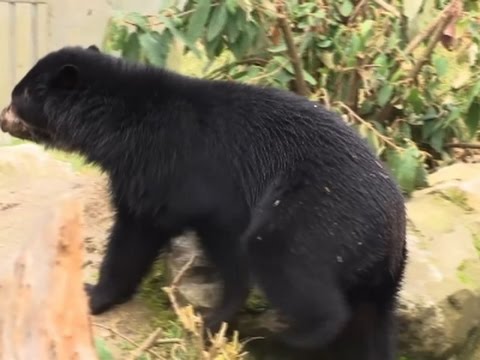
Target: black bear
x=282, y=192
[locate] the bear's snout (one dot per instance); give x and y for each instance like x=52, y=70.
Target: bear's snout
x=12, y=124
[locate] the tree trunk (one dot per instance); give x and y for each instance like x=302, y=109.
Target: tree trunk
x=43, y=307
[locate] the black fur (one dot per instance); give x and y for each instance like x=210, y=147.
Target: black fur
x=281, y=191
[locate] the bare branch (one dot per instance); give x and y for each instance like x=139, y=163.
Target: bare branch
x=295, y=58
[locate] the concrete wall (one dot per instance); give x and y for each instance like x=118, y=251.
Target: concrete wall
x=60, y=23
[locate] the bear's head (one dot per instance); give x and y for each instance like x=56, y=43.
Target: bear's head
x=52, y=104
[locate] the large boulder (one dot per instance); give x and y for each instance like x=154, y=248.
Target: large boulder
x=440, y=301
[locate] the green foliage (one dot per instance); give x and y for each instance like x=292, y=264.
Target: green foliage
x=102, y=350
x=355, y=62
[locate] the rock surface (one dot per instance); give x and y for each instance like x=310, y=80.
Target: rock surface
x=440, y=301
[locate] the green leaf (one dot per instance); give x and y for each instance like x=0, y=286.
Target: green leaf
x=240, y=19
x=239, y=75
x=253, y=32
x=137, y=19
x=102, y=350
x=156, y=46
x=217, y=22
x=287, y=65
x=309, y=78
x=411, y=8
x=131, y=50
x=473, y=116
x=327, y=58
x=324, y=43
x=366, y=27
x=375, y=143
x=214, y=47
x=278, y=49
x=384, y=95
x=232, y=32
x=366, y=107
x=363, y=130
x=241, y=45
x=354, y=48
x=405, y=130
x=441, y=66
x=118, y=35
x=244, y=41
x=306, y=43
x=421, y=177
x=415, y=100
x=197, y=21
x=283, y=77
x=404, y=166
x=231, y=6
x=431, y=114
x=346, y=8
x=175, y=32
x=436, y=141
x=473, y=93
x=428, y=129
x=455, y=115
x=381, y=60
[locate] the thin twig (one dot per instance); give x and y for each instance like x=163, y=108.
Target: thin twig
x=390, y=8
x=357, y=11
x=170, y=290
x=427, y=33
x=450, y=13
x=168, y=341
x=169, y=14
x=113, y=331
x=149, y=342
x=182, y=271
x=462, y=146
x=126, y=338
x=369, y=125
x=439, y=26
x=326, y=98
x=231, y=65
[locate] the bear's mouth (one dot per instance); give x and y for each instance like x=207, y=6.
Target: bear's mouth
x=12, y=124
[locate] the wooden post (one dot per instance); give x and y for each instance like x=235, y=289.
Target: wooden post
x=43, y=307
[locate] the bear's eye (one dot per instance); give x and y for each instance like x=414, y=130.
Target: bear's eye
x=39, y=91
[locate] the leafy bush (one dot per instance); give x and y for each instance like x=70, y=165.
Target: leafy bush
x=409, y=98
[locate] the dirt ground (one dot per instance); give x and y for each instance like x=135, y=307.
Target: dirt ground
x=30, y=182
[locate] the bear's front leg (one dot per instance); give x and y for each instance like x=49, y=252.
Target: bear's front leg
x=132, y=249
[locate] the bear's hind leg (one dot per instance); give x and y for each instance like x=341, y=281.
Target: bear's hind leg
x=223, y=249
x=368, y=336
x=305, y=293
x=381, y=337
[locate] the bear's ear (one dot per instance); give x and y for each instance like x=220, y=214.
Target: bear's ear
x=67, y=78
x=93, y=48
